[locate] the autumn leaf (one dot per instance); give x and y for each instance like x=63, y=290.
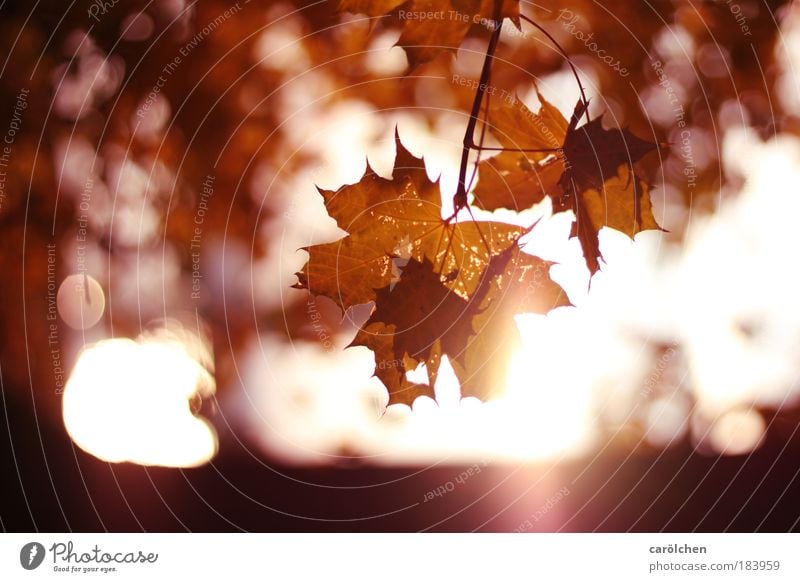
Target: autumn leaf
x=456, y=294
x=430, y=27
x=586, y=169
x=594, y=153
x=419, y=320
x=516, y=179
x=369, y=7
x=517, y=127
x=510, y=180
x=622, y=203
x=415, y=321
x=514, y=282
x=391, y=218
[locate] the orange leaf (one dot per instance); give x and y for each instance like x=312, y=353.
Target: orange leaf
x=510, y=180
x=457, y=294
x=397, y=217
x=431, y=27
x=622, y=203
x=591, y=173
x=369, y=7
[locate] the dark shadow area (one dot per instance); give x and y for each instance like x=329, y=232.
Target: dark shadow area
x=678, y=491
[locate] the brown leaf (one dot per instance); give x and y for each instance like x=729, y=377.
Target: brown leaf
x=591, y=173
x=593, y=153
x=457, y=294
x=411, y=321
x=515, y=282
x=431, y=27
x=518, y=180
x=369, y=7
x=622, y=203
x=419, y=320
x=510, y=180
x=517, y=127
x=397, y=217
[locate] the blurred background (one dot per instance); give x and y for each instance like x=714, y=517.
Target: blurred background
x=159, y=167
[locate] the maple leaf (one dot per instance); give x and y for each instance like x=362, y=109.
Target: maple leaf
x=593, y=153
x=510, y=180
x=401, y=217
x=430, y=27
x=369, y=7
x=622, y=203
x=414, y=322
x=419, y=320
x=517, y=127
x=586, y=169
x=514, y=282
x=518, y=180
x=439, y=287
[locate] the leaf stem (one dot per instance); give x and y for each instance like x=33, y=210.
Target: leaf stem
x=479, y=147
x=460, y=197
x=566, y=56
x=518, y=150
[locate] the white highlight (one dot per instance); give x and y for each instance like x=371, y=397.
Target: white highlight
x=129, y=401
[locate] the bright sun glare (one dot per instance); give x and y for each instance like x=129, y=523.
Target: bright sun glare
x=530, y=420
x=129, y=401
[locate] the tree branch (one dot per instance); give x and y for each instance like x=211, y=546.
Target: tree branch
x=460, y=197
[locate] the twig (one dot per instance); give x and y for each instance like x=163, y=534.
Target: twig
x=566, y=56
x=460, y=197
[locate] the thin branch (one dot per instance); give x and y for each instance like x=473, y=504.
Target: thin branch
x=479, y=147
x=519, y=150
x=460, y=197
x=566, y=56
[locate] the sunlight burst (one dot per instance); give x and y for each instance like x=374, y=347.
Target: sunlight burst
x=130, y=401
